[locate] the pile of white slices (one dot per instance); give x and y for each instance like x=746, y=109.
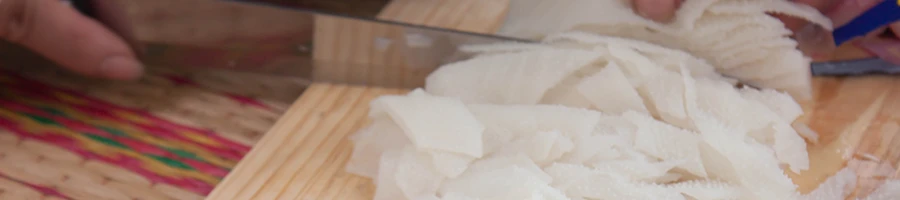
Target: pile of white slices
x=736, y=36
x=593, y=117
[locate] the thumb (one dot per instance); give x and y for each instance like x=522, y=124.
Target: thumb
x=68, y=38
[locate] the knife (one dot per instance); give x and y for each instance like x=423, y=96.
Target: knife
x=279, y=40
x=307, y=44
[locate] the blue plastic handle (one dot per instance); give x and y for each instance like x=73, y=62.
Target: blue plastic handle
x=882, y=14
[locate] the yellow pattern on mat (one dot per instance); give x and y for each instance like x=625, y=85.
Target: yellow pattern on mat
x=54, y=171
x=50, y=166
x=106, y=150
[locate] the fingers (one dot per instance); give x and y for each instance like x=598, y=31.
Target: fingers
x=72, y=40
x=895, y=27
x=821, y=5
x=658, y=10
x=795, y=24
x=845, y=11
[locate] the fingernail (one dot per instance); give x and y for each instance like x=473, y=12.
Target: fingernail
x=121, y=67
x=655, y=16
x=651, y=13
x=643, y=13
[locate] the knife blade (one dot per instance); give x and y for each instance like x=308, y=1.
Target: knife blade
x=857, y=67
x=283, y=41
x=308, y=44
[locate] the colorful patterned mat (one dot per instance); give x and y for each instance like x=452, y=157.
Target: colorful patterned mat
x=170, y=136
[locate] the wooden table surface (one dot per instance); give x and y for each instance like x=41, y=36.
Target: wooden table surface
x=304, y=154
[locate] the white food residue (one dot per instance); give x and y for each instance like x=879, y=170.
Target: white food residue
x=585, y=116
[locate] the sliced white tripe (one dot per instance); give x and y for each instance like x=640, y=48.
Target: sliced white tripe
x=609, y=91
x=416, y=175
x=566, y=92
x=610, y=186
x=583, y=117
x=450, y=164
x=778, y=102
x=522, y=161
x=707, y=190
x=807, y=133
x=514, y=78
x=541, y=147
x=386, y=181
x=584, y=182
x=789, y=147
x=505, y=123
x=744, y=163
x=876, y=169
x=667, y=142
x=665, y=96
x=371, y=143
x=728, y=156
x=724, y=102
x=669, y=57
x=737, y=35
x=593, y=148
x=668, y=178
x=836, y=187
x=889, y=190
x=511, y=182
x=772, y=6
x=433, y=122
x=635, y=169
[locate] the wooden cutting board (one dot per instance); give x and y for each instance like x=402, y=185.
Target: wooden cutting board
x=856, y=118
x=303, y=155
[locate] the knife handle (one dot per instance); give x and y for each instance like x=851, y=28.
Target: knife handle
x=881, y=15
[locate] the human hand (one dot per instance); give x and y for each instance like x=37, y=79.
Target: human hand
x=61, y=34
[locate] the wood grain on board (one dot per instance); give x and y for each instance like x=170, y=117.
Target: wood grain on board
x=304, y=154
x=856, y=118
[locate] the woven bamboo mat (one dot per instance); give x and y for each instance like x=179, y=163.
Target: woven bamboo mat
x=171, y=135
